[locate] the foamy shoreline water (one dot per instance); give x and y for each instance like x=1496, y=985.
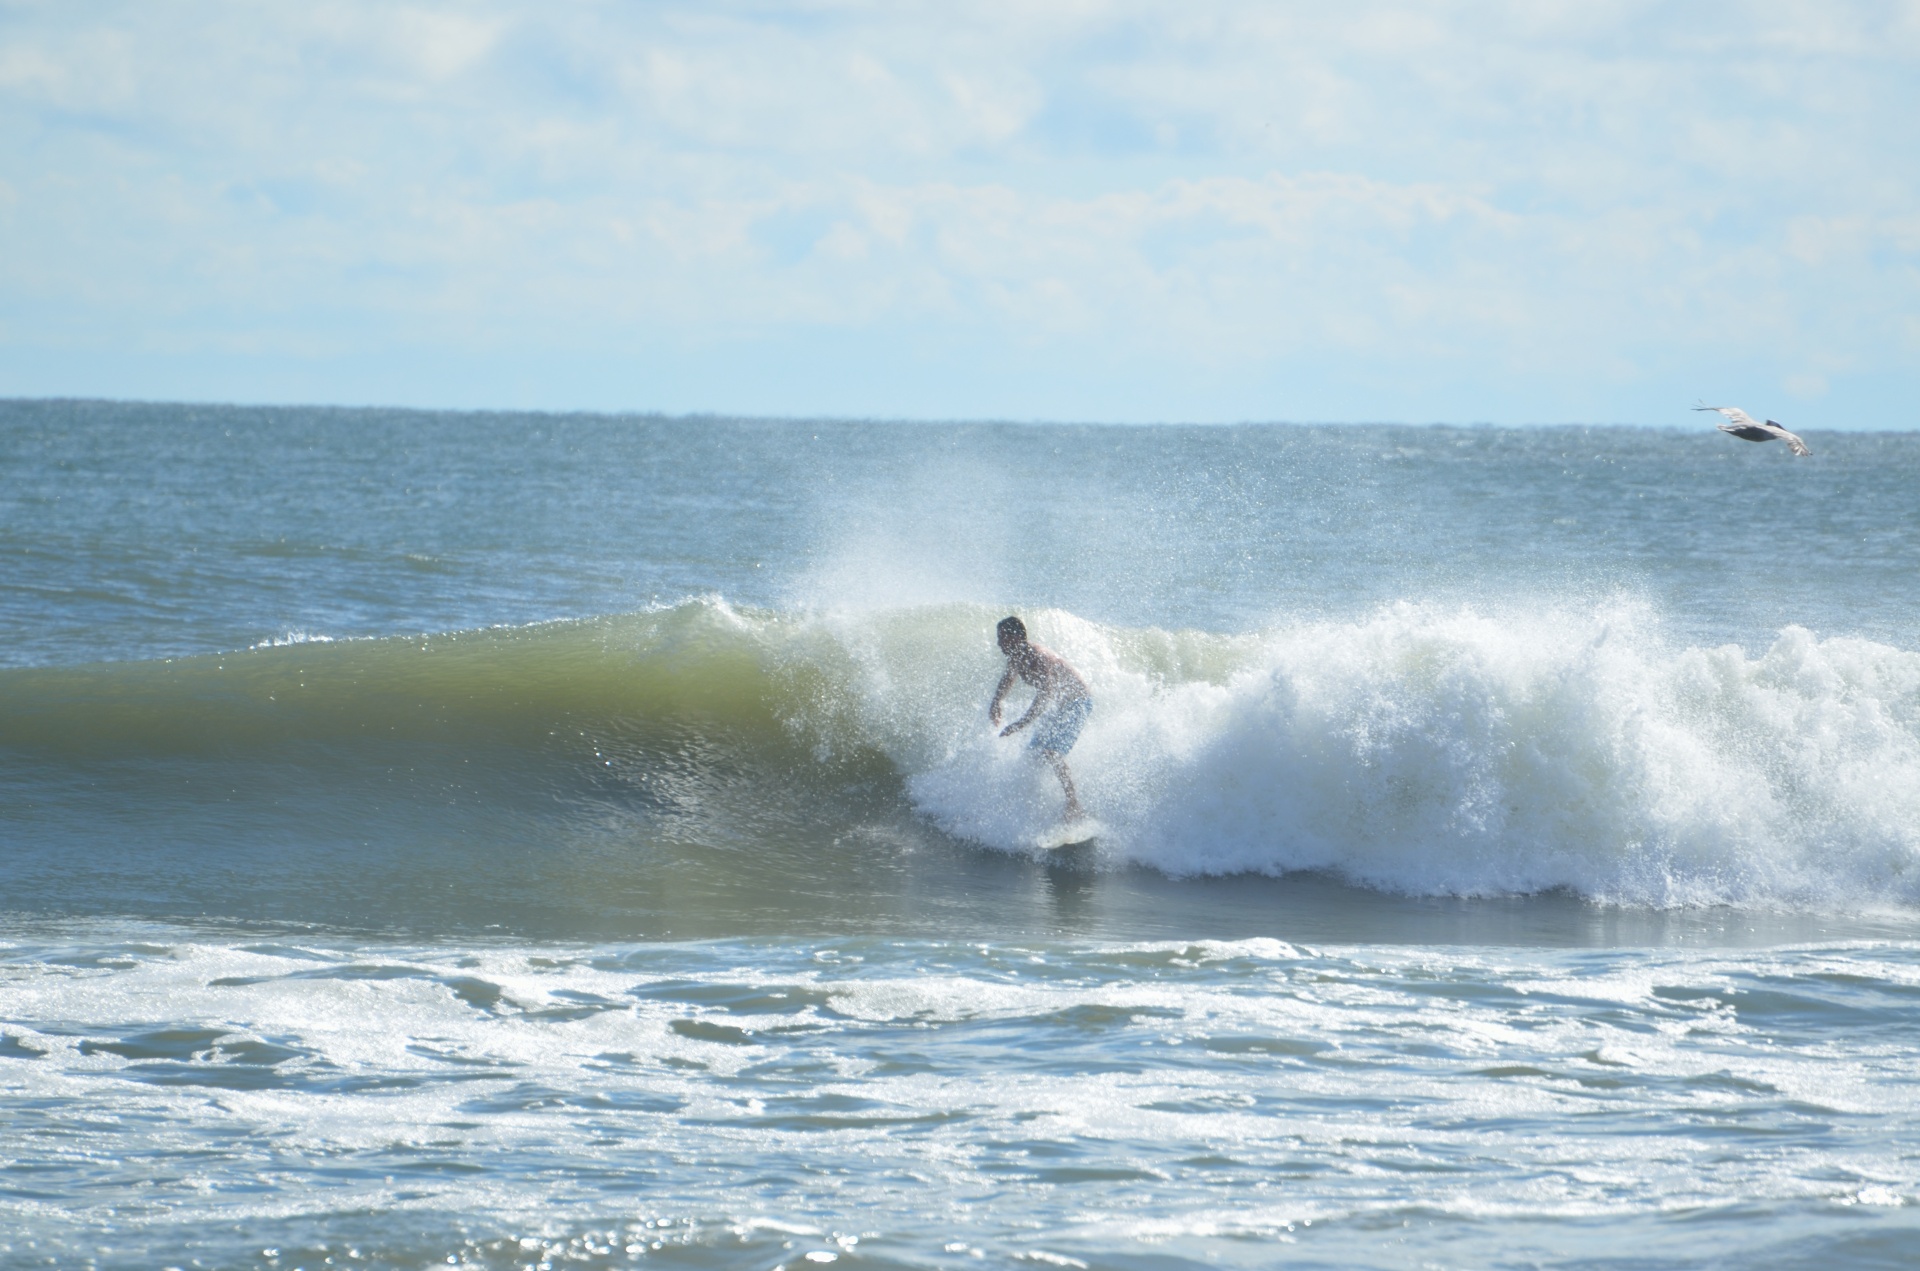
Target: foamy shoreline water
x=1197, y=1103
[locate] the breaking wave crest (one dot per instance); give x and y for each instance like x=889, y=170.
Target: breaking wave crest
x=1418, y=750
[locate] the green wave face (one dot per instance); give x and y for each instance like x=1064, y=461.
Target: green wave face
x=693, y=770
x=508, y=686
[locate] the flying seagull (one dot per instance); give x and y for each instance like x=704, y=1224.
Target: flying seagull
x=1747, y=428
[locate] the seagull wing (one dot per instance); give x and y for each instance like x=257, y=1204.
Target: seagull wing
x=1739, y=418
x=1794, y=444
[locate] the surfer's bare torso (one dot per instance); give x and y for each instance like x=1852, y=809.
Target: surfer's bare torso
x=1055, y=683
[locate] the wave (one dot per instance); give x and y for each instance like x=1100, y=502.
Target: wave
x=1419, y=750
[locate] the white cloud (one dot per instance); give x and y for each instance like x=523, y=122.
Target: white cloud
x=1206, y=210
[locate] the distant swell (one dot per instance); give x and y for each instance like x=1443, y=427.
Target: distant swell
x=1419, y=750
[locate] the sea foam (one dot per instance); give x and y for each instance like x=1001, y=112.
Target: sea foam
x=1468, y=753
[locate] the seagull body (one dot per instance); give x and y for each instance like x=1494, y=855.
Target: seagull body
x=1747, y=428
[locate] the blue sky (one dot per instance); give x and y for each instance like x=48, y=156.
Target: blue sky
x=1467, y=212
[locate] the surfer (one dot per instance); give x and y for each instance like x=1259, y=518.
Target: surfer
x=1061, y=702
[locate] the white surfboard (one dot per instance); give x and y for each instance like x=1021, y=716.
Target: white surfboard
x=1070, y=834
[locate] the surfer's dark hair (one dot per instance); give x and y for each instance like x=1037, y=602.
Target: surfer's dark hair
x=1010, y=628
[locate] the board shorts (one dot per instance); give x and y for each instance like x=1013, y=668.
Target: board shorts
x=1060, y=727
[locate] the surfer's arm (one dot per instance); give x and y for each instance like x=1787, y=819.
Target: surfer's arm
x=993, y=710
x=1039, y=703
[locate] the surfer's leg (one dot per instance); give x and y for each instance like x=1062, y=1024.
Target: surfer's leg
x=1059, y=762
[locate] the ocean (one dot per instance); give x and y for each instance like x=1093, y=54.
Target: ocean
x=541, y=841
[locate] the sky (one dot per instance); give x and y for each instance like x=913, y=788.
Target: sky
x=1205, y=210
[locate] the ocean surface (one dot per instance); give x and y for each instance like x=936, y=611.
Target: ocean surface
x=536, y=841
